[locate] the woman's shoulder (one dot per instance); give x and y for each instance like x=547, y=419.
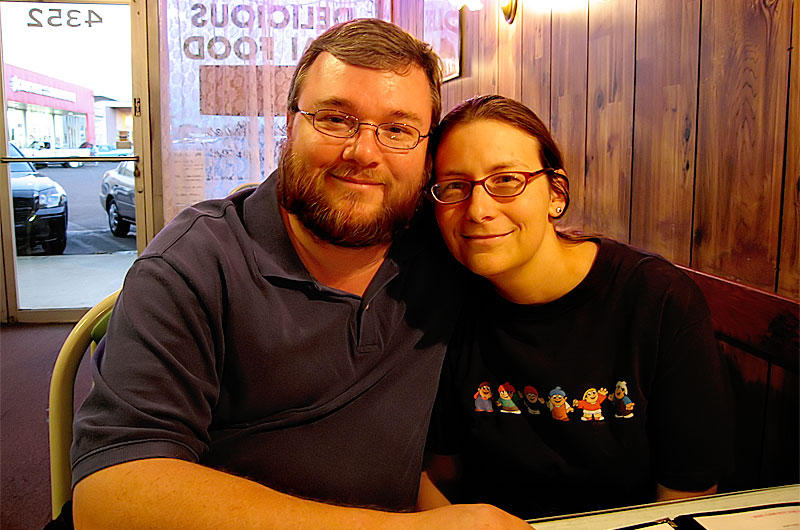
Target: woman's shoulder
x=645, y=271
x=628, y=257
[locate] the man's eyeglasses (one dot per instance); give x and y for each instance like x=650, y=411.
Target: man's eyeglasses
x=505, y=184
x=341, y=125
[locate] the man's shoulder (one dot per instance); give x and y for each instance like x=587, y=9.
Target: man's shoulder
x=221, y=222
x=193, y=226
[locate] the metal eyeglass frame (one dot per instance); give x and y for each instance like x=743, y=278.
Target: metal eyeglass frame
x=358, y=124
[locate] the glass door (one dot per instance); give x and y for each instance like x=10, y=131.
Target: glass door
x=71, y=181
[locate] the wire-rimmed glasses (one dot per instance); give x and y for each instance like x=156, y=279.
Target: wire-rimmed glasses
x=342, y=125
x=504, y=184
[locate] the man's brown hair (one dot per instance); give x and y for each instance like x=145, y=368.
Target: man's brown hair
x=377, y=44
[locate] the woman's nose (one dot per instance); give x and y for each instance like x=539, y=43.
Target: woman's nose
x=480, y=205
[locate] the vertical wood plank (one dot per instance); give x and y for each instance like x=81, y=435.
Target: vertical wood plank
x=789, y=267
x=451, y=89
x=568, y=61
x=609, y=116
x=410, y=15
x=667, y=48
x=744, y=63
x=451, y=95
x=487, y=52
x=509, y=56
x=534, y=65
x=465, y=85
x=470, y=50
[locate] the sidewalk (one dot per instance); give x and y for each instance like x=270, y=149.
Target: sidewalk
x=55, y=282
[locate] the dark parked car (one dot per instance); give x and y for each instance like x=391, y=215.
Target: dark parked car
x=40, y=208
x=117, y=198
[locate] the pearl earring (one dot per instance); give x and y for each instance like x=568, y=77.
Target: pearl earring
x=559, y=209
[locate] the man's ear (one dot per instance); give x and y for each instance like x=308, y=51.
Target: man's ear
x=290, y=122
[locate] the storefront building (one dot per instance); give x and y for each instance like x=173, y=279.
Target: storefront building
x=44, y=110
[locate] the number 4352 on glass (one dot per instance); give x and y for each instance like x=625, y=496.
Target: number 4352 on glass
x=72, y=18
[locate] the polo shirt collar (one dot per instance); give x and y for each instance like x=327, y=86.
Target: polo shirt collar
x=274, y=253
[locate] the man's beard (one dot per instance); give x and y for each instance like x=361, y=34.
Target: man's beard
x=301, y=191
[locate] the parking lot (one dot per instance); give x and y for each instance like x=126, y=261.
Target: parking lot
x=87, y=226
x=94, y=261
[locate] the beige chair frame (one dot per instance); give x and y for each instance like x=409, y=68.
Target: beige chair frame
x=244, y=186
x=62, y=398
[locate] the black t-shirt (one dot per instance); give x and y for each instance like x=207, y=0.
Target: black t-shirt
x=595, y=397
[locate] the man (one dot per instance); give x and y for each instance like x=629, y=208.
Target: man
x=273, y=357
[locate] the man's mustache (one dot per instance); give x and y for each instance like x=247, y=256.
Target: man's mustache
x=352, y=172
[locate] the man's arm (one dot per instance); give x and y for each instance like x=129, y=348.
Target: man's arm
x=429, y=495
x=174, y=494
x=664, y=493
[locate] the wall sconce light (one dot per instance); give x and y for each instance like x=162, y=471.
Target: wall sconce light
x=509, y=9
x=472, y=5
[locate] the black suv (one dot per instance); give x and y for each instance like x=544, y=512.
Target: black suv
x=40, y=208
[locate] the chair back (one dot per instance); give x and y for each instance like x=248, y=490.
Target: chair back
x=89, y=330
x=245, y=186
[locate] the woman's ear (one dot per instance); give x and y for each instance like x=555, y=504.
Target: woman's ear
x=558, y=190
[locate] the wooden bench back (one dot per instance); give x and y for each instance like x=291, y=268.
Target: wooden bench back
x=759, y=336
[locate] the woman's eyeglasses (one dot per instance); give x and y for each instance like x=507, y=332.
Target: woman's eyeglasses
x=505, y=184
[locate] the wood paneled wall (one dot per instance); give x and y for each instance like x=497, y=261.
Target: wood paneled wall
x=679, y=120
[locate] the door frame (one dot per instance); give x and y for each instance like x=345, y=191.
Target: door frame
x=144, y=62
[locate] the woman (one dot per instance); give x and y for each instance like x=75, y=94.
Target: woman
x=618, y=342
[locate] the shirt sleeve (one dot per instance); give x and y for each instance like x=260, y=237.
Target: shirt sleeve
x=448, y=427
x=690, y=416
x=156, y=374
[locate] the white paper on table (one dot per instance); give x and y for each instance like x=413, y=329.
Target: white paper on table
x=779, y=517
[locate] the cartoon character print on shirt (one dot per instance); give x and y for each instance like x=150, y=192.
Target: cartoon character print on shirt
x=510, y=401
x=506, y=400
x=623, y=405
x=591, y=404
x=533, y=402
x=483, y=398
x=558, y=405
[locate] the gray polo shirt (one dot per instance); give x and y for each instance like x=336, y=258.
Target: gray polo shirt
x=223, y=350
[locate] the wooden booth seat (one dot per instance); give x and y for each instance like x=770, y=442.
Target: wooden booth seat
x=757, y=332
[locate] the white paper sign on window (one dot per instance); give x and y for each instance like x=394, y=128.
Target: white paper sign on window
x=227, y=66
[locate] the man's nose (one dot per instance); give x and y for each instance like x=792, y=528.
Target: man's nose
x=363, y=148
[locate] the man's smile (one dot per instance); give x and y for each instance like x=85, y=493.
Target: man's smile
x=358, y=179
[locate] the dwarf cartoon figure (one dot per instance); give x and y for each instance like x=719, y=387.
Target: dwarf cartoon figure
x=506, y=400
x=591, y=404
x=557, y=403
x=483, y=398
x=532, y=400
x=623, y=406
